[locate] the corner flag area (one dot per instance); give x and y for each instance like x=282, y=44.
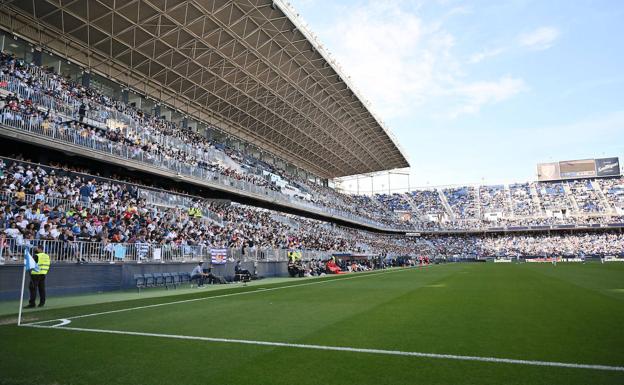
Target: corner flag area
x=445, y=324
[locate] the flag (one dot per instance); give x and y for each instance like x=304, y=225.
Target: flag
x=29, y=261
x=218, y=256
x=120, y=251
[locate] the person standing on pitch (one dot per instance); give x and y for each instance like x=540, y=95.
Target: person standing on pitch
x=37, y=278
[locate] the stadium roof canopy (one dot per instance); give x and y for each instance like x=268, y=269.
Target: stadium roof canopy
x=247, y=66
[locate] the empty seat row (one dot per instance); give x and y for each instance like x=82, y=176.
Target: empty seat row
x=161, y=279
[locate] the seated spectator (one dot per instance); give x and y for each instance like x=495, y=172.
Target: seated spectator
x=240, y=271
x=198, y=275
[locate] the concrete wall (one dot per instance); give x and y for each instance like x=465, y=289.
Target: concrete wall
x=94, y=277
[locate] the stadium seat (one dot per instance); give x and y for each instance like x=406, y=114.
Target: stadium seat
x=159, y=279
x=139, y=281
x=168, y=280
x=185, y=277
x=149, y=280
x=175, y=279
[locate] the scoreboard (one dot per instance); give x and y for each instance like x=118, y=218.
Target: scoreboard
x=576, y=169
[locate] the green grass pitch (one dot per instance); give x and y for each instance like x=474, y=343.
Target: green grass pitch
x=569, y=313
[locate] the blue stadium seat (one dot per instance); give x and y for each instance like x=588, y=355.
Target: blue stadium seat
x=149, y=280
x=175, y=278
x=139, y=279
x=158, y=279
x=185, y=277
x=168, y=280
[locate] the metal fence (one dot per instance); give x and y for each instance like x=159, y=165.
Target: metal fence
x=165, y=199
x=12, y=252
x=69, y=106
x=52, y=201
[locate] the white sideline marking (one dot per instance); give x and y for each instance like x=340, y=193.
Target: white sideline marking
x=259, y=290
x=348, y=349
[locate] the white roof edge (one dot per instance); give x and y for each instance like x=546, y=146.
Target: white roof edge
x=298, y=21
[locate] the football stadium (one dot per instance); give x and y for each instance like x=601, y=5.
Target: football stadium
x=174, y=210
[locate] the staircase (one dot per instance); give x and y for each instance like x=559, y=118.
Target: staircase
x=410, y=200
x=536, y=199
x=445, y=203
x=509, y=203
x=608, y=209
x=478, y=213
x=570, y=196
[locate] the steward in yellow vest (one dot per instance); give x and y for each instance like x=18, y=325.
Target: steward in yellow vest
x=195, y=212
x=37, y=278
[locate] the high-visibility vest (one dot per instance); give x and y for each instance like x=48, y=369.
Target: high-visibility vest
x=43, y=260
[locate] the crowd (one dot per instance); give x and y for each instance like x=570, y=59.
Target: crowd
x=73, y=110
x=494, y=199
x=586, y=197
x=49, y=203
x=586, y=202
x=590, y=244
x=463, y=202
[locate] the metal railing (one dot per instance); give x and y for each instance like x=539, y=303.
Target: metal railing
x=12, y=252
x=33, y=124
x=165, y=199
x=51, y=201
x=68, y=105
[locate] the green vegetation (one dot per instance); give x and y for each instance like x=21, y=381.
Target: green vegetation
x=570, y=313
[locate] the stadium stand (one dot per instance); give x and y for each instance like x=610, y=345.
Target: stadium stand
x=70, y=211
x=83, y=217
x=79, y=218
x=50, y=105
x=47, y=104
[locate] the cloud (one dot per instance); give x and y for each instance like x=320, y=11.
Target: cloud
x=391, y=54
x=407, y=65
x=478, y=57
x=539, y=39
x=474, y=95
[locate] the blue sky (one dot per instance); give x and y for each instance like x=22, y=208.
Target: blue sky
x=483, y=91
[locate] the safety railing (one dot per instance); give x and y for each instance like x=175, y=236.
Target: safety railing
x=68, y=105
x=82, y=138
x=12, y=251
x=30, y=199
x=164, y=199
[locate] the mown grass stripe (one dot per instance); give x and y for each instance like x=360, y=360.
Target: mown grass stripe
x=259, y=290
x=347, y=349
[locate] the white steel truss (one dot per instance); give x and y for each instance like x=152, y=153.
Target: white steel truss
x=242, y=65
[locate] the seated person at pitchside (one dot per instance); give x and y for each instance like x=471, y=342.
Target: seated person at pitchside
x=295, y=267
x=239, y=270
x=199, y=275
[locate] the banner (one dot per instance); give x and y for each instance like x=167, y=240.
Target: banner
x=548, y=171
x=608, y=167
x=119, y=251
x=218, y=256
x=577, y=169
x=585, y=168
x=543, y=260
